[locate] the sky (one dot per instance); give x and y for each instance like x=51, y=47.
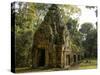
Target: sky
x=87, y=15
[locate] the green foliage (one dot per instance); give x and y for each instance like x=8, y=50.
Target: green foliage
x=28, y=17
x=86, y=27
x=90, y=39
x=74, y=34
x=24, y=17
x=68, y=11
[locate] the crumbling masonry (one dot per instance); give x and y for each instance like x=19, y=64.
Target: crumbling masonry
x=51, y=43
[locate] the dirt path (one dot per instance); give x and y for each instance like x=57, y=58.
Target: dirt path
x=74, y=67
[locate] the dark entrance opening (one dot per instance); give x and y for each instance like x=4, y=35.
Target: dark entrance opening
x=41, y=57
x=67, y=59
x=74, y=58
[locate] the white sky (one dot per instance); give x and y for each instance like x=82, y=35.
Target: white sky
x=87, y=15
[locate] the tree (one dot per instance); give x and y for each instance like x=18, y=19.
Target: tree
x=86, y=27
x=24, y=17
x=68, y=11
x=28, y=17
x=75, y=35
x=90, y=39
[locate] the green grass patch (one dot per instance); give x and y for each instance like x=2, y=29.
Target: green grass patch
x=88, y=67
x=88, y=64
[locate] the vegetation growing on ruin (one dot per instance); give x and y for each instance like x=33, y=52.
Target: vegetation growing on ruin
x=28, y=17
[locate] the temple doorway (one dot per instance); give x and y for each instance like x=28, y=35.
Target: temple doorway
x=41, y=57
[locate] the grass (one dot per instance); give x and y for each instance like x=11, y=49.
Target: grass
x=88, y=67
x=88, y=64
x=85, y=64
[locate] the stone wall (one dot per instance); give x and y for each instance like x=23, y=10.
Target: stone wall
x=50, y=45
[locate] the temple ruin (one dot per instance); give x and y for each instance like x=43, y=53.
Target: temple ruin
x=51, y=43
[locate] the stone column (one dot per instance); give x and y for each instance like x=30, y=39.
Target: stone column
x=34, y=61
x=62, y=59
x=46, y=57
x=76, y=58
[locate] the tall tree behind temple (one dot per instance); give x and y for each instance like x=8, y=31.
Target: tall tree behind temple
x=69, y=11
x=75, y=35
x=89, y=40
x=24, y=32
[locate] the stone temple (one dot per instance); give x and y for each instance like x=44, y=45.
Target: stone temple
x=51, y=43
